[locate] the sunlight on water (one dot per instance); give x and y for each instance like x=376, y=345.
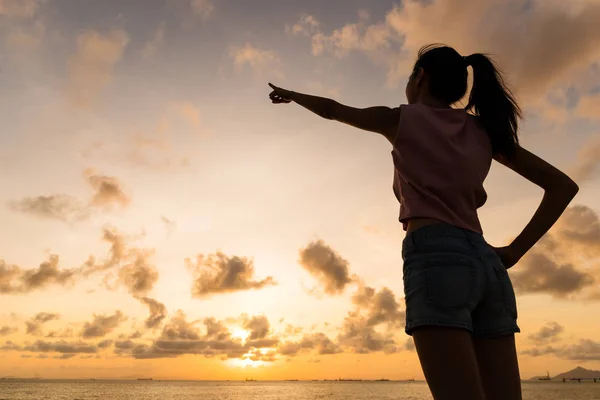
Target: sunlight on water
x=157, y=390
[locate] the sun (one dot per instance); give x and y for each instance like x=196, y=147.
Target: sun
x=244, y=363
x=239, y=333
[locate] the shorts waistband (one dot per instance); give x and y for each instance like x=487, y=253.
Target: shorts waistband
x=443, y=229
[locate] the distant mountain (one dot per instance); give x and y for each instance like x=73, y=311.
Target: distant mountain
x=578, y=372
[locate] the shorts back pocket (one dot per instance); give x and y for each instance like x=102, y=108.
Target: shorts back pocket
x=450, y=281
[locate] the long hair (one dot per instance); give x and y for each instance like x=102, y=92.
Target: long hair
x=490, y=98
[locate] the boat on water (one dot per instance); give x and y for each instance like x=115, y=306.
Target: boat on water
x=545, y=378
x=382, y=380
x=144, y=379
x=250, y=380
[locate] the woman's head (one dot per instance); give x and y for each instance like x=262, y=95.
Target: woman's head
x=440, y=73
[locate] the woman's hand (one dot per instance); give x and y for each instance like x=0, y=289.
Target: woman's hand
x=508, y=255
x=279, y=95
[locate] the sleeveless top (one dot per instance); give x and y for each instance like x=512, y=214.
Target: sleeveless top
x=441, y=158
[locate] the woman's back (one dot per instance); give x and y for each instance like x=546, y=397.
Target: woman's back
x=441, y=158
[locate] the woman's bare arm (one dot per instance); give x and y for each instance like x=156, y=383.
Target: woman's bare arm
x=379, y=119
x=559, y=190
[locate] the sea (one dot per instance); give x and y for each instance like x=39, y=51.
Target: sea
x=42, y=389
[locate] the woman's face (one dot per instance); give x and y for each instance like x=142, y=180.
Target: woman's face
x=410, y=90
x=412, y=86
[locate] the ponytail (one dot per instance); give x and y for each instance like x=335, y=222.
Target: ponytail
x=494, y=103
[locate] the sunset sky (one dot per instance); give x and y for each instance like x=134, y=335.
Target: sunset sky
x=160, y=217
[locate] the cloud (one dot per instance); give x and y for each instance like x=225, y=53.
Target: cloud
x=34, y=325
x=587, y=163
x=108, y=192
x=118, y=252
x=59, y=206
x=381, y=305
x=9, y=345
x=580, y=226
x=139, y=276
x=180, y=336
x=105, y=344
x=541, y=47
x=583, y=350
x=307, y=25
x=24, y=41
x=152, y=47
x=262, y=62
x=564, y=263
x=62, y=346
x=65, y=333
x=317, y=342
x=154, y=148
x=14, y=280
x=588, y=106
x=410, y=344
x=158, y=312
x=91, y=68
x=8, y=330
x=540, y=274
x=218, y=273
x=192, y=11
x=132, y=265
x=19, y=9
x=327, y=266
x=371, y=326
x=258, y=326
x=102, y=325
x=202, y=8
x=65, y=356
x=169, y=224
x=189, y=112
x=547, y=333
x=136, y=335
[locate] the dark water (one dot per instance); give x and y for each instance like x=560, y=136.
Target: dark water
x=185, y=390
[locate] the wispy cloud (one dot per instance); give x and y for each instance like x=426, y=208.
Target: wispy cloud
x=152, y=47
x=91, y=67
x=19, y=9
x=547, y=333
x=8, y=330
x=588, y=159
x=34, y=325
x=101, y=325
x=108, y=194
x=261, y=61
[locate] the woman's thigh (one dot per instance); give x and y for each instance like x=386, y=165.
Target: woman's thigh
x=449, y=362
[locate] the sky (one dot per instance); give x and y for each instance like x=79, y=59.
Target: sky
x=161, y=218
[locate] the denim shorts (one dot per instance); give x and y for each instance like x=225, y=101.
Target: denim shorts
x=453, y=278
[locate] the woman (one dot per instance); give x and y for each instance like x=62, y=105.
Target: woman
x=460, y=303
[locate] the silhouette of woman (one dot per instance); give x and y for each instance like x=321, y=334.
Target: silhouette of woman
x=460, y=304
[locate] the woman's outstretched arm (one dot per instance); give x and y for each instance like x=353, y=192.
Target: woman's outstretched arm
x=380, y=119
x=559, y=190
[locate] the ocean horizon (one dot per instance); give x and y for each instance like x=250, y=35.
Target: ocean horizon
x=125, y=389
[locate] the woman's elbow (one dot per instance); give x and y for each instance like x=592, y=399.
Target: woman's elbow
x=566, y=187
